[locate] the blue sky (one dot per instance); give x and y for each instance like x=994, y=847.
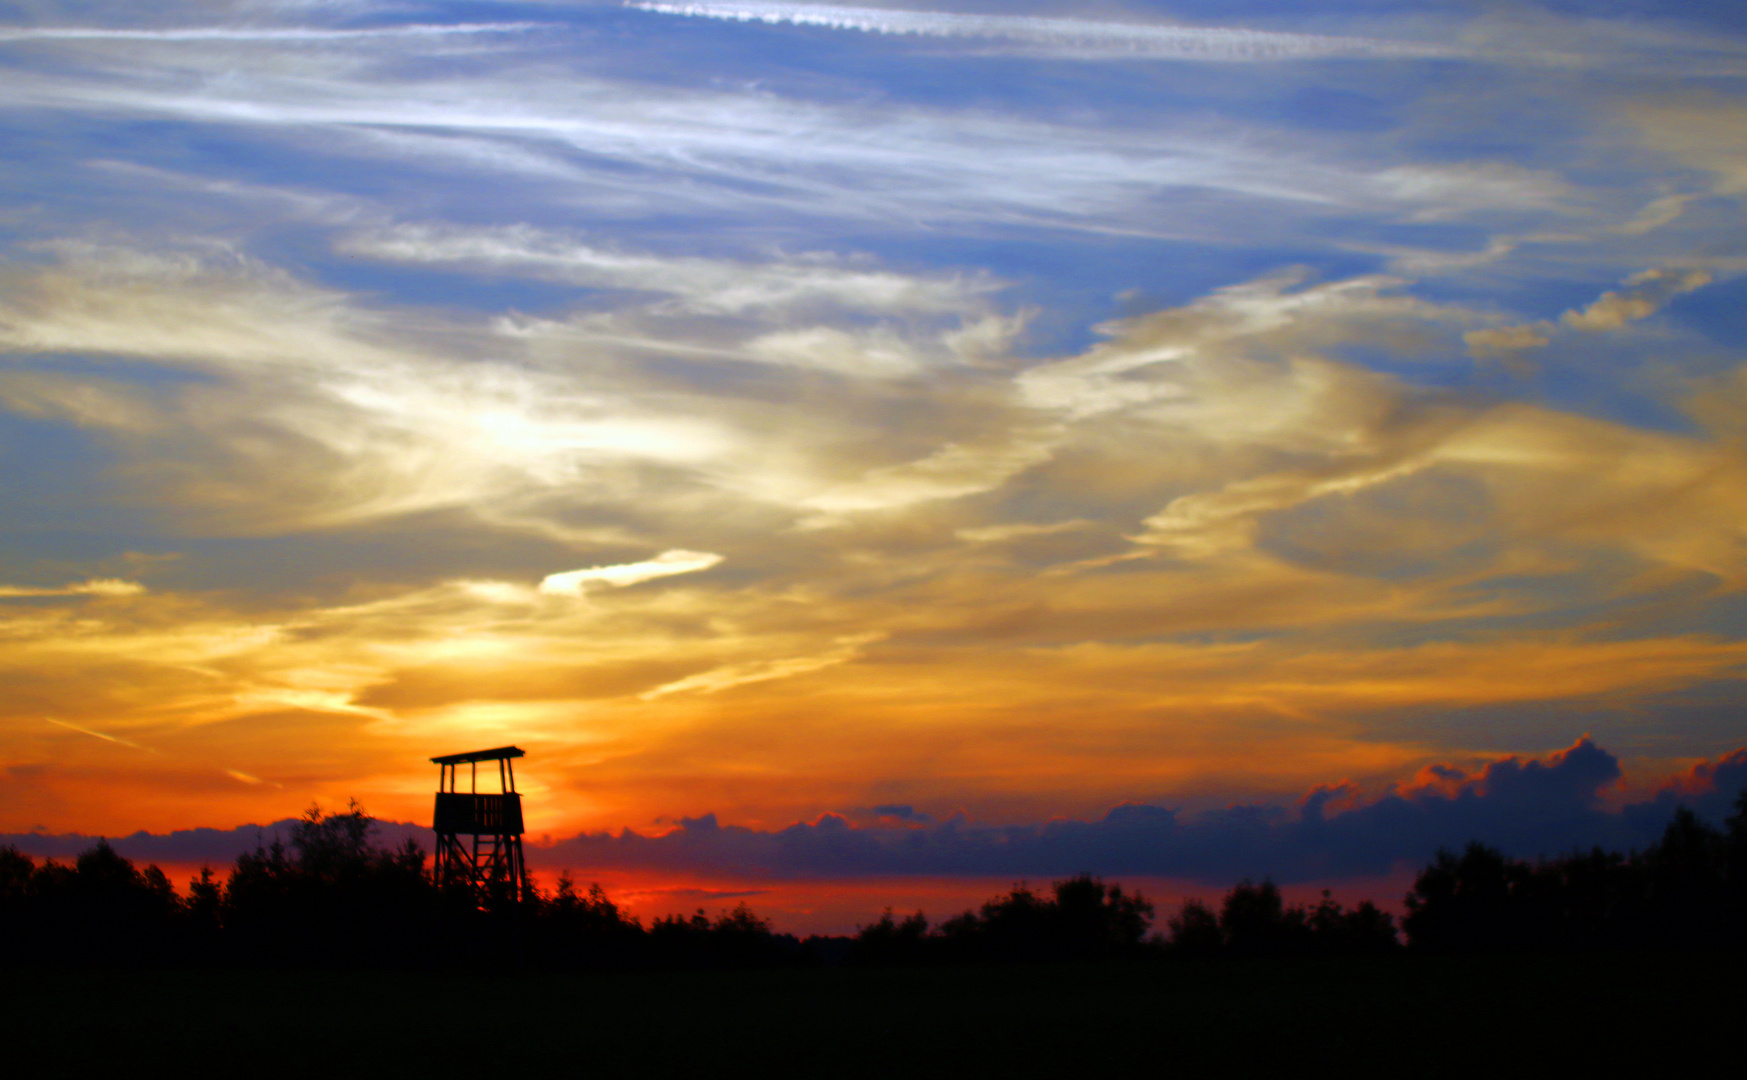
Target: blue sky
x=772, y=409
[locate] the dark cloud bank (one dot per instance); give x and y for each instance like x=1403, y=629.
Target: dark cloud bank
x=1527, y=808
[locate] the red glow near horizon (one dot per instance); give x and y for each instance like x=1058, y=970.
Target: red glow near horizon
x=842, y=907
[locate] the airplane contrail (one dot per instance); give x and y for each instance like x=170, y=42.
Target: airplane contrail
x=247, y=33
x=1071, y=35
x=100, y=735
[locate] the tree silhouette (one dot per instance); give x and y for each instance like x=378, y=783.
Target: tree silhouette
x=1254, y=922
x=1195, y=931
x=1366, y=930
x=332, y=897
x=100, y=910
x=1465, y=904
x=585, y=930
x=888, y=940
x=737, y=938
x=1081, y=919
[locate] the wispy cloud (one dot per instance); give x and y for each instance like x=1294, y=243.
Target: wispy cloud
x=1076, y=37
x=717, y=150
x=851, y=420
x=706, y=285
x=93, y=587
x=1644, y=295
x=266, y=34
x=666, y=564
x=757, y=671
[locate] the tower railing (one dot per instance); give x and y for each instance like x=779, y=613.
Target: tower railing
x=467, y=812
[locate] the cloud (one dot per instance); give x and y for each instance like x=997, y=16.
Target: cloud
x=1646, y=293
x=1505, y=341
x=1704, y=131
x=1245, y=376
x=757, y=671
x=264, y=34
x=1449, y=190
x=1315, y=541
x=703, y=285
x=1656, y=213
x=1528, y=808
x=112, y=587
x=1058, y=36
x=951, y=472
x=635, y=148
x=902, y=812
x=381, y=326
x=345, y=413
x=192, y=847
x=666, y=564
x=1000, y=534
x=1210, y=523
x=1155, y=362
x=100, y=735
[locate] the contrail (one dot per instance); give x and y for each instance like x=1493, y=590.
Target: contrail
x=245, y=33
x=235, y=774
x=100, y=735
x=1081, y=36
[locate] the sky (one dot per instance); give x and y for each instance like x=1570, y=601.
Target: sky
x=878, y=421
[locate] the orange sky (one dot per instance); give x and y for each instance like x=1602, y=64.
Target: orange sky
x=743, y=435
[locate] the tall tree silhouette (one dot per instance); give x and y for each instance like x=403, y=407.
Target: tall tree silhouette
x=333, y=896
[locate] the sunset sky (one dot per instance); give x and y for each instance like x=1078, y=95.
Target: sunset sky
x=778, y=410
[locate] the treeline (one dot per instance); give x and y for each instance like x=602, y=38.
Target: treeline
x=331, y=897
x=1687, y=891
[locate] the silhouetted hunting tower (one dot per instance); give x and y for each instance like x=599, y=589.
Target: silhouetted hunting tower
x=479, y=836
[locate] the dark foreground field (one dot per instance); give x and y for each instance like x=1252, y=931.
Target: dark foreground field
x=1411, y=1016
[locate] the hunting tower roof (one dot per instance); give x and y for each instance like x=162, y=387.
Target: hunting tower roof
x=497, y=754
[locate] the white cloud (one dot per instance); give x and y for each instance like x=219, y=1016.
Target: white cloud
x=1447, y=190
x=634, y=147
x=703, y=284
x=1147, y=361
x=345, y=413
x=111, y=587
x=666, y=564
x=1072, y=37
x=266, y=34
x=879, y=352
